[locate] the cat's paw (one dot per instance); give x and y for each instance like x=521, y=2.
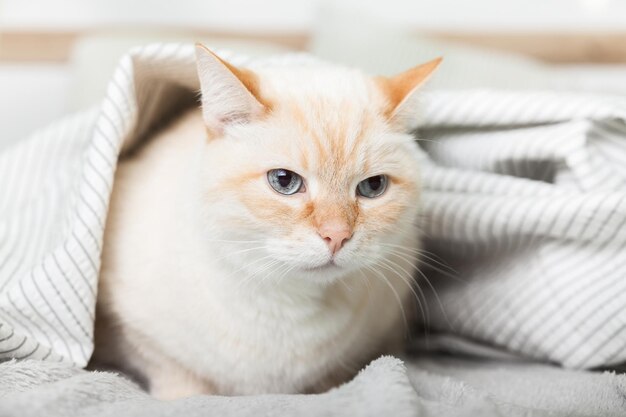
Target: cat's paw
x=179, y=384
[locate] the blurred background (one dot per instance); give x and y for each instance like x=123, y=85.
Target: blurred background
x=57, y=55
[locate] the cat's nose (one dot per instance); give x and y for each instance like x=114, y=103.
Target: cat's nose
x=335, y=234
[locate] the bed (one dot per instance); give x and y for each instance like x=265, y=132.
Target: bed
x=523, y=163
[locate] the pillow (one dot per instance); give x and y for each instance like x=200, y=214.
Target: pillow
x=95, y=56
x=383, y=48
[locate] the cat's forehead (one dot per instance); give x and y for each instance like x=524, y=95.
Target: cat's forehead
x=328, y=137
x=336, y=139
x=325, y=101
x=334, y=135
x=333, y=120
x=336, y=122
x=310, y=81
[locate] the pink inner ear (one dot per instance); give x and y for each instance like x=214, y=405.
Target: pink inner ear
x=400, y=87
x=227, y=92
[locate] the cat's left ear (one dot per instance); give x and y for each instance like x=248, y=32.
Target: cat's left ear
x=229, y=94
x=401, y=89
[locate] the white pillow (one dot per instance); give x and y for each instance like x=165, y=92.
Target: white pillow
x=383, y=48
x=95, y=57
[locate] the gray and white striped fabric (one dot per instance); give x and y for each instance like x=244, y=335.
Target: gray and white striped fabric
x=523, y=197
x=527, y=202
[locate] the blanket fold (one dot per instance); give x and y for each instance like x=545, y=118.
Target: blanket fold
x=429, y=387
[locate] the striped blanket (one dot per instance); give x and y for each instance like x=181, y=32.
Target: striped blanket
x=523, y=208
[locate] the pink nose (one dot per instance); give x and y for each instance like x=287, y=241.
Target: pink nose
x=335, y=233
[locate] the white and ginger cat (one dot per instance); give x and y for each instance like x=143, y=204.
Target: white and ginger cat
x=264, y=244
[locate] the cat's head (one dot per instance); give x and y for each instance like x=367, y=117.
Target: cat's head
x=309, y=170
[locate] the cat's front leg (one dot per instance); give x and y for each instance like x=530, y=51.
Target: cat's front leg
x=169, y=382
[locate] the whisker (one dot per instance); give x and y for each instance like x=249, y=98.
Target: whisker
x=248, y=278
x=249, y=264
x=234, y=241
x=418, y=255
x=432, y=287
x=396, y=295
x=265, y=273
x=409, y=280
x=368, y=284
x=421, y=252
x=287, y=270
x=345, y=284
x=239, y=252
x=415, y=258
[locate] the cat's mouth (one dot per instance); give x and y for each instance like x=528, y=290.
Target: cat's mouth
x=324, y=267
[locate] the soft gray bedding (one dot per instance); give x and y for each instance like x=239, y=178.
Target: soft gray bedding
x=429, y=387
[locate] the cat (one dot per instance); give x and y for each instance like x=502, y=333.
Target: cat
x=264, y=242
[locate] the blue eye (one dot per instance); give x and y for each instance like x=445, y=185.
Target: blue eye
x=284, y=181
x=372, y=187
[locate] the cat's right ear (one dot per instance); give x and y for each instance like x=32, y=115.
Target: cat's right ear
x=401, y=89
x=229, y=94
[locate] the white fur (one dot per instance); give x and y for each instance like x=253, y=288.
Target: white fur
x=193, y=304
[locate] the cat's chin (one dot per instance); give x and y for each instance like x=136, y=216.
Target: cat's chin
x=326, y=273
x=328, y=266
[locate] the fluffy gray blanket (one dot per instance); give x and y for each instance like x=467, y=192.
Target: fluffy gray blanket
x=436, y=386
